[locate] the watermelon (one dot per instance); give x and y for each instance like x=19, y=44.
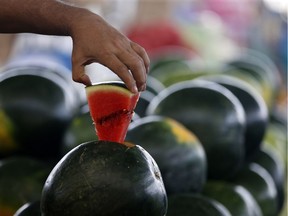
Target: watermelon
x=177, y=70
x=188, y=204
x=276, y=137
x=237, y=199
x=263, y=62
x=177, y=151
x=111, y=107
x=255, y=108
x=260, y=184
x=21, y=181
x=153, y=85
x=143, y=102
x=214, y=115
x=164, y=71
x=79, y=131
x=105, y=178
x=247, y=66
x=36, y=107
x=269, y=160
x=29, y=209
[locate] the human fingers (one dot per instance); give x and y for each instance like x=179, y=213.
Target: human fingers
x=142, y=53
x=78, y=74
x=119, y=68
x=136, y=66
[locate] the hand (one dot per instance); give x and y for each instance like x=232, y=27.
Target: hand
x=94, y=40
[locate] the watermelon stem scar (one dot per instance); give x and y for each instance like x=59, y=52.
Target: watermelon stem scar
x=111, y=107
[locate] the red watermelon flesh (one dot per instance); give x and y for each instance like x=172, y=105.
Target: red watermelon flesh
x=111, y=107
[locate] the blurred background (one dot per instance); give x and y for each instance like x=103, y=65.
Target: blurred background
x=214, y=30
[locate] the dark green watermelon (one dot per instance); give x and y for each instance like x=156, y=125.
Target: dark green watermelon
x=79, y=131
x=263, y=62
x=276, y=137
x=257, y=69
x=105, y=178
x=237, y=199
x=269, y=160
x=37, y=106
x=143, y=103
x=29, y=209
x=260, y=184
x=21, y=181
x=153, y=85
x=214, y=115
x=170, y=54
x=177, y=151
x=191, y=204
x=255, y=111
x=164, y=68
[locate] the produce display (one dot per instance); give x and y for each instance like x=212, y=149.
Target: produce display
x=208, y=136
x=188, y=141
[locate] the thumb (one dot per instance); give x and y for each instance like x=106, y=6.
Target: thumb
x=78, y=75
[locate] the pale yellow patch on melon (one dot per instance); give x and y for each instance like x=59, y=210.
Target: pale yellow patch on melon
x=182, y=134
x=7, y=142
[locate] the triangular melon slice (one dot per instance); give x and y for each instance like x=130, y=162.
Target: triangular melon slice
x=111, y=107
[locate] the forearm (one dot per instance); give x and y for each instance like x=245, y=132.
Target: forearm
x=51, y=17
x=94, y=40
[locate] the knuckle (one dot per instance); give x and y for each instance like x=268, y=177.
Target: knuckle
x=141, y=82
x=137, y=63
x=120, y=43
x=135, y=45
x=141, y=49
x=122, y=69
x=138, y=48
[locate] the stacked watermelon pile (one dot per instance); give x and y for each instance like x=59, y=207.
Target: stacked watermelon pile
x=199, y=141
x=242, y=167
x=37, y=105
x=43, y=119
x=236, y=113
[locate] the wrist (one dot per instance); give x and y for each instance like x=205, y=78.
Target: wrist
x=80, y=20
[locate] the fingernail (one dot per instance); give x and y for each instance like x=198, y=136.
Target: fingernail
x=148, y=69
x=142, y=88
x=85, y=80
x=134, y=89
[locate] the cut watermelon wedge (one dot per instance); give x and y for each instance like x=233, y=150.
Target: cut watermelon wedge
x=111, y=107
